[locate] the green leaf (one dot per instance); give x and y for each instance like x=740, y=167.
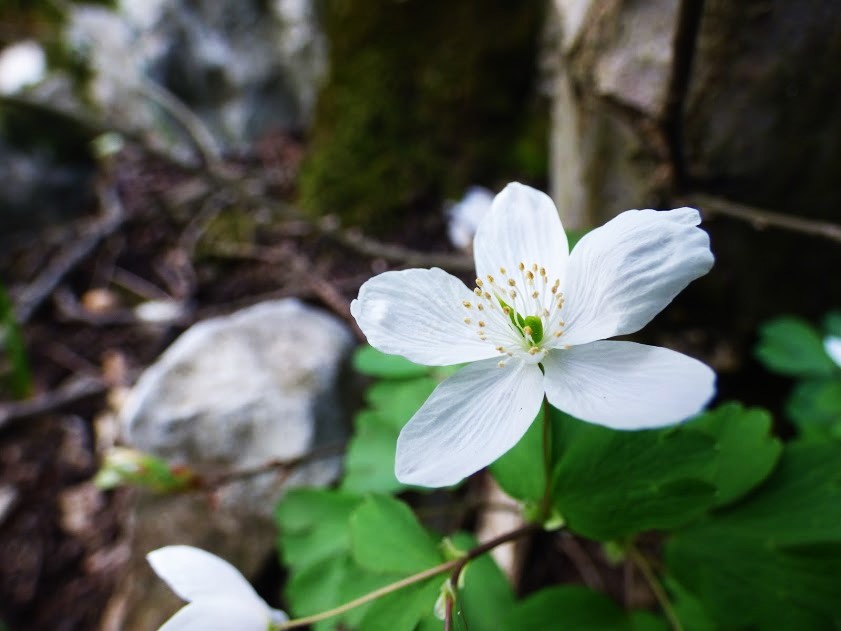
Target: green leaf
x=746, y=452
x=521, y=472
x=576, y=608
x=486, y=597
x=19, y=377
x=329, y=583
x=688, y=609
x=314, y=525
x=404, y=609
x=791, y=346
x=369, y=463
x=609, y=484
x=832, y=323
x=397, y=401
x=386, y=537
x=369, y=361
x=815, y=407
x=574, y=236
x=773, y=560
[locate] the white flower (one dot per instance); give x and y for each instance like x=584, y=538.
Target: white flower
x=464, y=217
x=535, y=305
x=832, y=346
x=220, y=599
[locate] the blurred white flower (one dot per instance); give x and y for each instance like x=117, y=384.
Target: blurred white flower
x=832, y=346
x=536, y=306
x=21, y=64
x=219, y=597
x=463, y=217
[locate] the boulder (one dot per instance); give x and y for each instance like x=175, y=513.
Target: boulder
x=246, y=68
x=231, y=393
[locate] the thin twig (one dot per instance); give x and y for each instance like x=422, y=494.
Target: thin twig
x=760, y=218
x=642, y=563
x=373, y=248
x=456, y=566
x=34, y=294
x=52, y=401
x=198, y=133
x=280, y=466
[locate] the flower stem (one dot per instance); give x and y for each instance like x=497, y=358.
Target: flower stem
x=644, y=566
x=456, y=566
x=546, y=502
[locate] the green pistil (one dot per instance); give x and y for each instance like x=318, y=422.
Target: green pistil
x=533, y=323
x=536, y=326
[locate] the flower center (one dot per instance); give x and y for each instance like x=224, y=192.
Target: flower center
x=520, y=312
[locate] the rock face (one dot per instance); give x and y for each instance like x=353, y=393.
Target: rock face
x=245, y=68
x=231, y=393
x=659, y=98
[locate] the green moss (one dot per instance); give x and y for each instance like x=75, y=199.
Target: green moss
x=424, y=98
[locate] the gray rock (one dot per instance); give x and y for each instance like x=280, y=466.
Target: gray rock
x=245, y=68
x=232, y=393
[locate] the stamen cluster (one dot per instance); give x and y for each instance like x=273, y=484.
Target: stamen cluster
x=520, y=312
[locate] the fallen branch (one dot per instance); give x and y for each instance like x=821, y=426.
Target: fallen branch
x=33, y=295
x=760, y=218
x=77, y=390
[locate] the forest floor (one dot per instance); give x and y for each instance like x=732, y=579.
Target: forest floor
x=172, y=238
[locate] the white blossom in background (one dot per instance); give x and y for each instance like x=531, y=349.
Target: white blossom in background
x=832, y=346
x=533, y=325
x=22, y=64
x=219, y=597
x=463, y=217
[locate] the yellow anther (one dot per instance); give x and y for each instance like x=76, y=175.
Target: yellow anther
x=467, y=320
x=530, y=275
x=478, y=292
x=559, y=333
x=535, y=294
x=534, y=267
x=512, y=293
x=501, y=364
x=502, y=271
x=490, y=279
x=481, y=323
x=522, y=266
x=487, y=296
x=527, y=331
x=480, y=307
x=534, y=350
x=500, y=349
x=512, y=282
x=466, y=304
x=545, y=312
x=478, y=282
x=506, y=310
x=543, y=271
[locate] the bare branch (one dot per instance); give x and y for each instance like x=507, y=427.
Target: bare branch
x=761, y=219
x=52, y=401
x=34, y=294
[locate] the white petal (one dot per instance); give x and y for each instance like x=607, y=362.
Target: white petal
x=469, y=421
x=624, y=385
x=193, y=573
x=623, y=274
x=523, y=226
x=419, y=314
x=832, y=345
x=218, y=614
